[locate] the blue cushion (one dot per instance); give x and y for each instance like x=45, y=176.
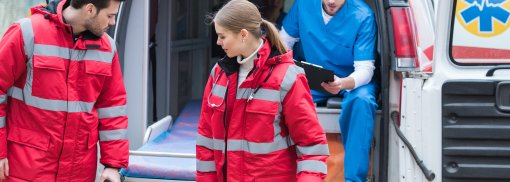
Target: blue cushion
x=180, y=138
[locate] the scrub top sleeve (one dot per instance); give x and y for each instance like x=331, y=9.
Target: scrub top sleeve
x=365, y=40
x=291, y=21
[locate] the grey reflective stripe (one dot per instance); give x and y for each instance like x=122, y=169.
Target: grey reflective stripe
x=28, y=36
x=279, y=143
x=3, y=98
x=2, y=121
x=109, y=135
x=205, y=142
x=212, y=71
x=219, y=90
x=112, y=112
x=113, y=44
x=319, y=149
x=267, y=94
x=243, y=145
x=262, y=94
x=51, y=105
x=311, y=166
x=243, y=93
x=72, y=54
x=206, y=166
x=289, y=79
x=26, y=96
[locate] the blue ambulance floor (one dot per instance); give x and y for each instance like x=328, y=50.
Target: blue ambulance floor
x=180, y=138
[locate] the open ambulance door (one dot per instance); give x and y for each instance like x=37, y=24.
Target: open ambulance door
x=407, y=30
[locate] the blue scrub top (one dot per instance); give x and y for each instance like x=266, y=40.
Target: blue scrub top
x=349, y=36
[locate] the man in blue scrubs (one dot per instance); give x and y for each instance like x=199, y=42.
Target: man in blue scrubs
x=340, y=35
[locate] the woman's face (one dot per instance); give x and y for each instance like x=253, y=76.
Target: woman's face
x=229, y=41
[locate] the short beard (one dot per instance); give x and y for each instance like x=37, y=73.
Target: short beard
x=92, y=26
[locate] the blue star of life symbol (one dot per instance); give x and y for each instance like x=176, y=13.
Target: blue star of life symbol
x=486, y=11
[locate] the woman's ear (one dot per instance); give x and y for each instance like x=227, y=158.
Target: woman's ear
x=244, y=34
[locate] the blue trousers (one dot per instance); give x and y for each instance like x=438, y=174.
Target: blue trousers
x=357, y=126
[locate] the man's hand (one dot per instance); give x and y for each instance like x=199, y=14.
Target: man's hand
x=110, y=174
x=4, y=168
x=333, y=87
x=338, y=84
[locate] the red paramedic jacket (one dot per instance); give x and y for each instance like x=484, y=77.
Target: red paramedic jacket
x=58, y=97
x=266, y=130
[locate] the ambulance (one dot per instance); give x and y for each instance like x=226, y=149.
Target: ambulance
x=443, y=69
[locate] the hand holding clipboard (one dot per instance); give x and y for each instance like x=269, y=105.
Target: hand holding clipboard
x=315, y=75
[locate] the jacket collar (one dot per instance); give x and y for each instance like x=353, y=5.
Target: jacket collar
x=53, y=12
x=267, y=56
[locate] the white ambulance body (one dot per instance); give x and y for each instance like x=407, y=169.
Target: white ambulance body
x=456, y=116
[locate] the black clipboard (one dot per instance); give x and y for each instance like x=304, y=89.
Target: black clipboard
x=315, y=75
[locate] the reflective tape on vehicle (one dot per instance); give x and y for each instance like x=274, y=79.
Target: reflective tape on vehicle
x=112, y=112
x=311, y=166
x=48, y=104
x=110, y=135
x=206, y=166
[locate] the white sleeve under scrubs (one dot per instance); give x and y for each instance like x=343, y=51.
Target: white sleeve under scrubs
x=347, y=40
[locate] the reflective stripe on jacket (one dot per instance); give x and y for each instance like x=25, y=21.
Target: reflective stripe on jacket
x=58, y=98
x=270, y=123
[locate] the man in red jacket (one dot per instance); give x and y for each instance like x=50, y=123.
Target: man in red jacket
x=61, y=91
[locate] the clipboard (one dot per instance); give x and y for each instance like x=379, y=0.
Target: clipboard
x=315, y=75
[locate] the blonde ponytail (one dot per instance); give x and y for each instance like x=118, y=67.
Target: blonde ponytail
x=242, y=14
x=273, y=36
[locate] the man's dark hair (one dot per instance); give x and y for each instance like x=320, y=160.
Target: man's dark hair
x=100, y=4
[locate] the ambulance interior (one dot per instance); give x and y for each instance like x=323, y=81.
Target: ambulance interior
x=164, y=93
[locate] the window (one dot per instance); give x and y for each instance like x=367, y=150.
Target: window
x=11, y=11
x=480, y=34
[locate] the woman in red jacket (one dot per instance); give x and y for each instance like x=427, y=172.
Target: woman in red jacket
x=258, y=120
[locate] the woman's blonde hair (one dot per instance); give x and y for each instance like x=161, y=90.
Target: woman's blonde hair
x=242, y=14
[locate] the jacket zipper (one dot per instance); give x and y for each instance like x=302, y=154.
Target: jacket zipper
x=224, y=168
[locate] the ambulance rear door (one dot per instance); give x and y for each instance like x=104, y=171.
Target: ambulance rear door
x=466, y=101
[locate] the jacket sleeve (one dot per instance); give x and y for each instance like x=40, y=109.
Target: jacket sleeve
x=304, y=128
x=113, y=122
x=12, y=66
x=206, y=168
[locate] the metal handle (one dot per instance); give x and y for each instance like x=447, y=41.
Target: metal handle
x=493, y=69
x=162, y=154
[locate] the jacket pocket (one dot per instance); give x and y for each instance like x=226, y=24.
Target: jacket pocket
x=91, y=78
x=261, y=119
x=47, y=63
x=29, y=138
x=98, y=68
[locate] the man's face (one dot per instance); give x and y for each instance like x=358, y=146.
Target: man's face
x=100, y=22
x=332, y=6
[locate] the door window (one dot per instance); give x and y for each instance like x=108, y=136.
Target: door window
x=480, y=34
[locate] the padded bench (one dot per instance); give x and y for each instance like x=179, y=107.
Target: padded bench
x=330, y=113
x=168, y=152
